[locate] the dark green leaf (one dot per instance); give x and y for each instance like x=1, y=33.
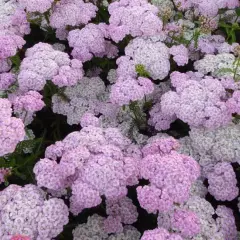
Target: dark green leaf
x=237, y=11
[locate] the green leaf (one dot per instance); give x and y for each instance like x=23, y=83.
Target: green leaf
x=237, y=11
x=226, y=70
x=16, y=61
x=141, y=71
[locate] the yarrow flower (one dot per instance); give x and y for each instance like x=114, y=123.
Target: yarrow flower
x=222, y=182
x=198, y=102
x=186, y=223
x=226, y=222
x=36, y=6
x=91, y=41
x=11, y=128
x=13, y=18
x=149, y=97
x=25, y=211
x=130, y=89
x=6, y=80
x=152, y=54
x=9, y=44
x=94, y=228
x=162, y=164
x=43, y=63
x=26, y=105
x=160, y=233
x=180, y=54
x=85, y=97
x=72, y=13
x=135, y=18
x=98, y=154
x=4, y=172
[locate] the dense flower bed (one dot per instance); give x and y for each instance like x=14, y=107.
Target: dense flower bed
x=119, y=119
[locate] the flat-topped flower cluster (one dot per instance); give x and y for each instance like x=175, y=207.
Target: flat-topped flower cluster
x=116, y=111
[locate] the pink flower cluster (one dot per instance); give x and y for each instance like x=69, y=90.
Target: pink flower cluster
x=222, y=182
x=197, y=101
x=25, y=212
x=43, y=63
x=4, y=172
x=11, y=128
x=93, y=163
x=91, y=41
x=71, y=13
x=162, y=164
x=26, y=104
x=160, y=233
x=133, y=17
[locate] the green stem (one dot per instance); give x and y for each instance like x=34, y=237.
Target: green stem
x=235, y=70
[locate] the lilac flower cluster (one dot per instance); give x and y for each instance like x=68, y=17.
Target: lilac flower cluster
x=26, y=211
x=222, y=182
x=11, y=128
x=160, y=164
x=197, y=101
x=90, y=41
x=135, y=18
x=94, y=229
x=96, y=154
x=25, y=105
x=160, y=233
x=43, y=63
x=71, y=13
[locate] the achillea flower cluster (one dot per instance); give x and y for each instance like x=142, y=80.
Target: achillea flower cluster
x=198, y=102
x=94, y=228
x=25, y=211
x=4, y=172
x=194, y=220
x=19, y=237
x=180, y=54
x=206, y=8
x=152, y=54
x=91, y=41
x=222, y=182
x=135, y=18
x=121, y=211
x=9, y=44
x=43, y=63
x=212, y=146
x=129, y=89
x=6, y=80
x=26, y=105
x=162, y=164
x=95, y=165
x=129, y=77
x=226, y=222
x=71, y=13
x=85, y=97
x=13, y=26
x=11, y=128
x=160, y=233
x=36, y=6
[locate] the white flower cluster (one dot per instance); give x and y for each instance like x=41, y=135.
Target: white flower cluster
x=86, y=96
x=219, y=65
x=209, y=228
x=94, y=229
x=25, y=210
x=152, y=54
x=212, y=146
